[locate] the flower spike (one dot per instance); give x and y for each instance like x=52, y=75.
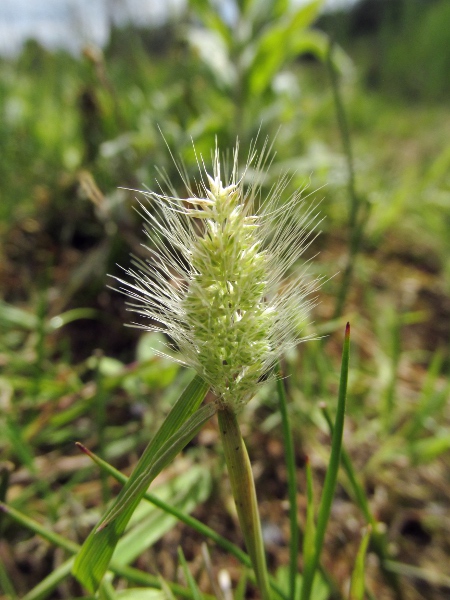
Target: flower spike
x=216, y=277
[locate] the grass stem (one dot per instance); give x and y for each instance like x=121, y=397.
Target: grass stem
x=244, y=493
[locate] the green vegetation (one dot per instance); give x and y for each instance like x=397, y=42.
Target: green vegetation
x=368, y=133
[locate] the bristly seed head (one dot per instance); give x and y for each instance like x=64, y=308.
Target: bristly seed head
x=214, y=280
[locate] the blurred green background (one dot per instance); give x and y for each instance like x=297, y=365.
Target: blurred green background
x=356, y=102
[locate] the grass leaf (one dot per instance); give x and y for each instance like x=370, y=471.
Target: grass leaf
x=332, y=472
x=93, y=559
x=357, y=585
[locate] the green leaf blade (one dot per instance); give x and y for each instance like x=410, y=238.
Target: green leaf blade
x=93, y=559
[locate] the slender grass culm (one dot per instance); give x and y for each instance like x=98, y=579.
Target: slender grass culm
x=217, y=282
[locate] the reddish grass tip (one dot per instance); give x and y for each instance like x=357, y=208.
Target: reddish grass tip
x=83, y=448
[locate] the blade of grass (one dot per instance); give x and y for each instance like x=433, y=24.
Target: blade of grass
x=239, y=592
x=178, y=514
x=357, y=585
x=196, y=594
x=106, y=591
x=164, y=456
x=47, y=534
x=207, y=562
x=419, y=573
x=92, y=562
x=292, y=486
x=379, y=541
x=332, y=471
x=166, y=589
x=357, y=489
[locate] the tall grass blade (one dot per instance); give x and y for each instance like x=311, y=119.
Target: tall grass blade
x=379, y=541
x=196, y=594
x=332, y=471
x=357, y=585
x=95, y=555
x=166, y=454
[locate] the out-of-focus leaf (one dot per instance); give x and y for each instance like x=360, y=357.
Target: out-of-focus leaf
x=357, y=585
x=320, y=591
x=72, y=315
x=12, y=316
x=166, y=589
x=280, y=42
x=140, y=594
x=427, y=450
x=212, y=19
x=283, y=44
x=279, y=7
x=213, y=51
x=110, y=367
x=148, y=345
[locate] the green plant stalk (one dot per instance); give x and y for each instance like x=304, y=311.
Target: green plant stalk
x=196, y=595
x=357, y=586
x=244, y=493
x=378, y=538
x=331, y=476
x=188, y=520
x=356, y=486
x=292, y=486
x=129, y=573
